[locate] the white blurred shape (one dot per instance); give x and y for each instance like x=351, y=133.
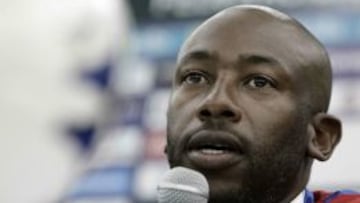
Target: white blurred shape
x=44, y=44
x=101, y=200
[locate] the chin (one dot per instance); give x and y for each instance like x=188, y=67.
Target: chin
x=221, y=191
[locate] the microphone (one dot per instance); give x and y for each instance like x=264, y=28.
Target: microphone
x=183, y=185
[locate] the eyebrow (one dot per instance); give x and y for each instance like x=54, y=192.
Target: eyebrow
x=199, y=55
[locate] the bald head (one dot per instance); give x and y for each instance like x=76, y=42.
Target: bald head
x=271, y=32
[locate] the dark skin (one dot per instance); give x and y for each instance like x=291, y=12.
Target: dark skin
x=248, y=106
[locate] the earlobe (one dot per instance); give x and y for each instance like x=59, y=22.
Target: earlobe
x=324, y=134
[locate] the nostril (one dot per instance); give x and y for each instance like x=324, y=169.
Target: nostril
x=234, y=116
x=228, y=114
x=204, y=113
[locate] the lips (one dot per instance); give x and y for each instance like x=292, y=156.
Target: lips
x=214, y=149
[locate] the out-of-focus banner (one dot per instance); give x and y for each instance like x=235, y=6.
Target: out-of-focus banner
x=128, y=158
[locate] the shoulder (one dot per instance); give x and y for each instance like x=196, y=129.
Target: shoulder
x=341, y=196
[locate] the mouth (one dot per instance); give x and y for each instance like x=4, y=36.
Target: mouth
x=213, y=150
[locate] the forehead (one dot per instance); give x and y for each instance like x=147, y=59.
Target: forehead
x=231, y=36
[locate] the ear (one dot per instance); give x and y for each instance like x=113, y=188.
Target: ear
x=324, y=134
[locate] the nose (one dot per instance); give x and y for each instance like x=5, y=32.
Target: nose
x=219, y=105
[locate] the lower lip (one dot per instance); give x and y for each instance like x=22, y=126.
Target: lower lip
x=214, y=159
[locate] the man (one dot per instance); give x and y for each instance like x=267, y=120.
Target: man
x=249, y=106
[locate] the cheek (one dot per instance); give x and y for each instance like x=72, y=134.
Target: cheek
x=181, y=113
x=279, y=135
x=274, y=120
x=180, y=120
x=184, y=102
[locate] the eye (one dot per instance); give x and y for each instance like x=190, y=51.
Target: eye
x=260, y=82
x=194, y=78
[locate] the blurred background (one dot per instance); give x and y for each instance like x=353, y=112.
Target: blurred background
x=84, y=87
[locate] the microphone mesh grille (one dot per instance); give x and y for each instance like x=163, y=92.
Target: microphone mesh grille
x=180, y=176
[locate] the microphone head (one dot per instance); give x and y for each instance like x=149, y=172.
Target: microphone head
x=183, y=185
